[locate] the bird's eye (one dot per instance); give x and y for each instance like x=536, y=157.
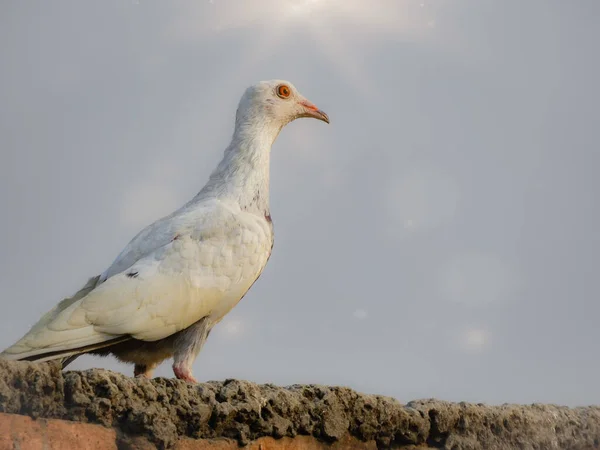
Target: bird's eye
x=283, y=91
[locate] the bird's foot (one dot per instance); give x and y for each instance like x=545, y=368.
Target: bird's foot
x=184, y=373
x=147, y=375
x=143, y=371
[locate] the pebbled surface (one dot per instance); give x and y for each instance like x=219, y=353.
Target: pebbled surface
x=166, y=410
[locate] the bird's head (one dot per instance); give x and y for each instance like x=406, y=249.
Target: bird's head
x=278, y=102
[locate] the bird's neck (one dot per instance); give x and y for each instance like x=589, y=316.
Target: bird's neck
x=243, y=173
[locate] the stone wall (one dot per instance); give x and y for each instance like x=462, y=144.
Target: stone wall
x=44, y=408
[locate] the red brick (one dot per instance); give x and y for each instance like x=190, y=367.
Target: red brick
x=24, y=433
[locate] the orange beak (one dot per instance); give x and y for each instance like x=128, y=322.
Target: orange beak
x=311, y=110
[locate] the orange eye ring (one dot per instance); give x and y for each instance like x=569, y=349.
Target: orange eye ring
x=283, y=91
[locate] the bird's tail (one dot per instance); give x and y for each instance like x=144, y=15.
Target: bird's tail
x=84, y=339
x=66, y=357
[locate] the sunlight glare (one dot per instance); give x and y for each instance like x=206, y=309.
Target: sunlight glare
x=336, y=25
x=302, y=7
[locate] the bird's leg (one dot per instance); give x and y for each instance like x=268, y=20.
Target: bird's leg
x=186, y=347
x=184, y=372
x=143, y=370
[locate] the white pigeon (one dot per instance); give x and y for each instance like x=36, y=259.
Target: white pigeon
x=182, y=274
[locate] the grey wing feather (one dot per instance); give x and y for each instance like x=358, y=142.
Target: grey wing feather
x=149, y=239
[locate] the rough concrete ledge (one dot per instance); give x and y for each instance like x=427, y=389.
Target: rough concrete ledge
x=168, y=413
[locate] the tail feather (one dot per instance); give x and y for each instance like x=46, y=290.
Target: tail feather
x=66, y=354
x=66, y=361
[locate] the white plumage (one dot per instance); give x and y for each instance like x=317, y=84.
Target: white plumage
x=182, y=274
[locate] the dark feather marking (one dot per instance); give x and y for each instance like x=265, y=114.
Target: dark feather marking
x=65, y=362
x=79, y=350
x=133, y=274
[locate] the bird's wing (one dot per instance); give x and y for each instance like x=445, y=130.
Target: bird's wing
x=164, y=291
x=155, y=236
x=146, y=241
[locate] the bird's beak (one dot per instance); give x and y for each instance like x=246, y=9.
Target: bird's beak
x=311, y=110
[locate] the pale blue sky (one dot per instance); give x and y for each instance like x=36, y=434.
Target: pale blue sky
x=438, y=239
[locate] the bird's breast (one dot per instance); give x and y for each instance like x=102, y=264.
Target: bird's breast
x=229, y=262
